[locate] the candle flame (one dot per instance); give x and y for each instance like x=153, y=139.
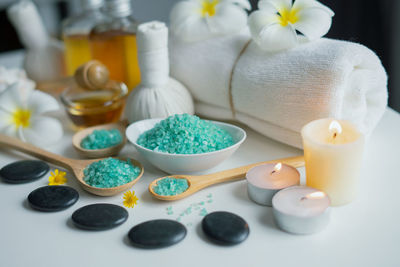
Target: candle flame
x=277, y=167
x=335, y=128
x=316, y=195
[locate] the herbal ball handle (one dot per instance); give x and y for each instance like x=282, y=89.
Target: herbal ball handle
x=152, y=47
x=14, y=143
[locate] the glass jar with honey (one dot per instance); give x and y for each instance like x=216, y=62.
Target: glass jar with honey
x=76, y=31
x=87, y=108
x=113, y=43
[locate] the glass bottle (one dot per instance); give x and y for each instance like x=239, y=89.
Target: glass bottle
x=76, y=32
x=113, y=42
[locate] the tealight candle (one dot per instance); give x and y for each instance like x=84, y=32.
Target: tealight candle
x=301, y=210
x=333, y=154
x=265, y=180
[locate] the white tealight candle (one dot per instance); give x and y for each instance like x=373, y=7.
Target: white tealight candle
x=301, y=209
x=265, y=180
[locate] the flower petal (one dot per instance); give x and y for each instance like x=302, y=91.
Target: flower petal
x=43, y=131
x=40, y=102
x=5, y=119
x=187, y=23
x=278, y=4
x=10, y=99
x=304, y=4
x=268, y=33
x=260, y=19
x=6, y=125
x=182, y=11
x=242, y=3
x=313, y=22
x=266, y=6
x=276, y=37
x=10, y=76
x=227, y=19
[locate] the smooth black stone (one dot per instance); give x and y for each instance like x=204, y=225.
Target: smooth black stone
x=225, y=228
x=157, y=234
x=99, y=216
x=53, y=198
x=24, y=171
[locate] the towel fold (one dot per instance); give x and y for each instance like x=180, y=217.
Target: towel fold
x=276, y=94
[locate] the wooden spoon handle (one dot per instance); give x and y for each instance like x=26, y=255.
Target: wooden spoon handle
x=10, y=142
x=240, y=173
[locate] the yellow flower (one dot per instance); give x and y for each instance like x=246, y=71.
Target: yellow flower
x=130, y=199
x=57, y=177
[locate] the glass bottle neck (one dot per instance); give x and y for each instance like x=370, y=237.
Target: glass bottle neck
x=117, y=8
x=89, y=5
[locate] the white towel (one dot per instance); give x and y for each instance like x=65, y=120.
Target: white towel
x=277, y=93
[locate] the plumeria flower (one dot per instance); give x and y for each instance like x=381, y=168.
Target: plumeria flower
x=22, y=111
x=195, y=20
x=274, y=25
x=10, y=76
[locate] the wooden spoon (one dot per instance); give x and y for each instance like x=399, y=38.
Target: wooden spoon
x=74, y=165
x=198, y=182
x=100, y=153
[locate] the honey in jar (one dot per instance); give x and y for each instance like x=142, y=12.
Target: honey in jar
x=93, y=107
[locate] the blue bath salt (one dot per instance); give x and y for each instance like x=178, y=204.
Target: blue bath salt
x=185, y=134
x=100, y=139
x=110, y=172
x=170, y=186
x=203, y=212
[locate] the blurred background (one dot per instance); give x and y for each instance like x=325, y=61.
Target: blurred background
x=370, y=22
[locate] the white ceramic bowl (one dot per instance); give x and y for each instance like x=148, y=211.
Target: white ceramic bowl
x=184, y=163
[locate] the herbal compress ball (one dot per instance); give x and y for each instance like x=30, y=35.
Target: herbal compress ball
x=185, y=134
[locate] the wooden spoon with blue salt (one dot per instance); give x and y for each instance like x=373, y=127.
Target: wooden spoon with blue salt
x=198, y=182
x=76, y=166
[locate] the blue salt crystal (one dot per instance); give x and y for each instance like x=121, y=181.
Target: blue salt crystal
x=110, y=172
x=185, y=134
x=100, y=139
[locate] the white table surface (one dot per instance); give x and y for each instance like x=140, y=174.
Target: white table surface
x=363, y=233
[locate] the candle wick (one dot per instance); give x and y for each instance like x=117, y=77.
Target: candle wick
x=303, y=198
x=334, y=135
x=273, y=172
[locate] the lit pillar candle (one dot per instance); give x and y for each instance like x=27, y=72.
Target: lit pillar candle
x=301, y=210
x=333, y=154
x=265, y=180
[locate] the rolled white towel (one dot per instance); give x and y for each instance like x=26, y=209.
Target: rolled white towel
x=277, y=93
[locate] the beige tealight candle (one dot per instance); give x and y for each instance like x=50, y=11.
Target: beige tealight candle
x=265, y=180
x=333, y=153
x=301, y=210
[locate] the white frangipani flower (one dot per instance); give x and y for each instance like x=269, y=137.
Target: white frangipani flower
x=273, y=27
x=195, y=20
x=21, y=115
x=13, y=75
